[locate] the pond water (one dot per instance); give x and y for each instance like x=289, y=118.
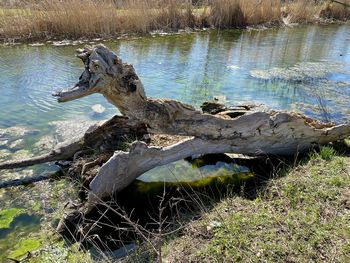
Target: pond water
x=305, y=68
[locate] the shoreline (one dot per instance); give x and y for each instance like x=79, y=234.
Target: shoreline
x=62, y=40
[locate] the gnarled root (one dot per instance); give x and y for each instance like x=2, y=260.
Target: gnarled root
x=105, y=136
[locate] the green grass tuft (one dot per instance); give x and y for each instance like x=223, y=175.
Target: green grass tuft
x=327, y=153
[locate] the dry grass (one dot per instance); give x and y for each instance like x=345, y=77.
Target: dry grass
x=233, y=13
x=337, y=11
x=91, y=18
x=301, y=11
x=88, y=18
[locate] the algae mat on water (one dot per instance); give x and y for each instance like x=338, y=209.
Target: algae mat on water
x=8, y=215
x=24, y=246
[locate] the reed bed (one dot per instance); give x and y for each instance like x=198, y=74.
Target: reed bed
x=105, y=18
x=236, y=13
x=335, y=10
x=301, y=11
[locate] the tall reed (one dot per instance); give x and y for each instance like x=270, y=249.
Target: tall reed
x=336, y=10
x=302, y=11
x=233, y=13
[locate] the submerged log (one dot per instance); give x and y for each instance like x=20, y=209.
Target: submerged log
x=30, y=180
x=253, y=131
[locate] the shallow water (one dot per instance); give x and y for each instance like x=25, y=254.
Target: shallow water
x=304, y=68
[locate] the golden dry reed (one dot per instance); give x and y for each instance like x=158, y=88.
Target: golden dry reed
x=104, y=18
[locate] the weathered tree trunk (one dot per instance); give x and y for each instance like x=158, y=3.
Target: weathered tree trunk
x=258, y=131
x=282, y=133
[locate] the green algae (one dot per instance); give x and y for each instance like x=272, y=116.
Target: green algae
x=24, y=247
x=220, y=178
x=8, y=215
x=347, y=142
x=36, y=206
x=43, y=204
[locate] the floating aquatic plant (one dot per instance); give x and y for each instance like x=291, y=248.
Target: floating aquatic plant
x=24, y=246
x=8, y=215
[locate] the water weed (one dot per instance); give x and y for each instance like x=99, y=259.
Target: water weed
x=8, y=215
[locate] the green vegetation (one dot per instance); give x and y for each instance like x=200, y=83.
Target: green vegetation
x=220, y=178
x=301, y=217
x=24, y=247
x=92, y=18
x=37, y=220
x=8, y=215
x=327, y=153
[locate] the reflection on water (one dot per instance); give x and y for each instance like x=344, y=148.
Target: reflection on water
x=304, y=68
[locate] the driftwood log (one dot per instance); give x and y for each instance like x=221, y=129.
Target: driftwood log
x=255, y=132
x=247, y=130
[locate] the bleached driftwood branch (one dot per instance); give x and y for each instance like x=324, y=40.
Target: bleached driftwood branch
x=280, y=134
x=102, y=136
